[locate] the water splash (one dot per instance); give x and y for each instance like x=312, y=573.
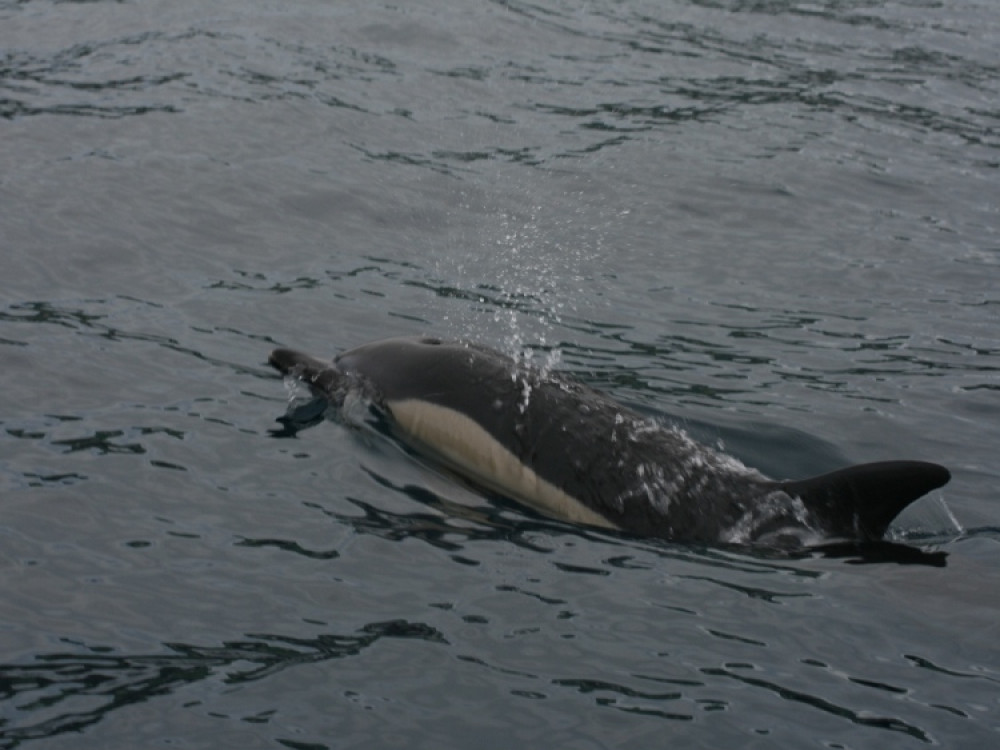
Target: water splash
x=522, y=275
x=959, y=528
x=792, y=526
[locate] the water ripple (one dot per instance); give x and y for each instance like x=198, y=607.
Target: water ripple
x=863, y=717
x=68, y=692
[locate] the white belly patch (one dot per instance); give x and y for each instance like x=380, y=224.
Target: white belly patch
x=466, y=447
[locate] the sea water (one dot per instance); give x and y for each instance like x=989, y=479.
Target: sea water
x=771, y=224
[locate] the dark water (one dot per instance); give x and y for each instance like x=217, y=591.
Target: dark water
x=774, y=222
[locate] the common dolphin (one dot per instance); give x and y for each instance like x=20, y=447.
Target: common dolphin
x=573, y=453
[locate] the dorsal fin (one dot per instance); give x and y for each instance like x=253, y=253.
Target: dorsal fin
x=860, y=502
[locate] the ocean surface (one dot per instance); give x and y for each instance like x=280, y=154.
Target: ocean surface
x=773, y=223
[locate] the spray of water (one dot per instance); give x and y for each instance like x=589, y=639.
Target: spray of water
x=524, y=274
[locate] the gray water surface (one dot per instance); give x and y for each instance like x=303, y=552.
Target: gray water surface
x=772, y=223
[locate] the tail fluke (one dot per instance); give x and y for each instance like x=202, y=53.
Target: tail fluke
x=860, y=502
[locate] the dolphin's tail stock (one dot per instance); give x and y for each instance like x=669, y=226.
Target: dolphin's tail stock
x=859, y=502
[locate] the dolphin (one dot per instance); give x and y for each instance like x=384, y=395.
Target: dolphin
x=573, y=453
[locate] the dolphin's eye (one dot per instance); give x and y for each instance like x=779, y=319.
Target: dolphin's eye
x=431, y=342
